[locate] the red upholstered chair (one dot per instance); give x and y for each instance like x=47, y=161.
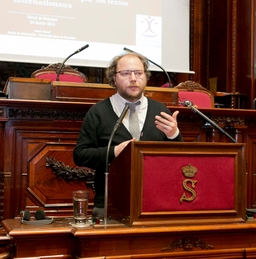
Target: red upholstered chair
x=67, y=73
x=166, y=85
x=197, y=94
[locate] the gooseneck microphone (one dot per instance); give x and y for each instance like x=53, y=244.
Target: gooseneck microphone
x=169, y=80
x=189, y=104
x=115, y=128
x=62, y=64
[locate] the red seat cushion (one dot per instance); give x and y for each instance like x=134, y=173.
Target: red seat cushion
x=200, y=99
x=62, y=77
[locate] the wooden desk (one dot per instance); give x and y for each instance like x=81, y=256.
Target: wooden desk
x=202, y=241
x=30, y=130
x=42, y=89
x=229, y=100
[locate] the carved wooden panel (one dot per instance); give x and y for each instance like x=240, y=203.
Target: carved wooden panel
x=52, y=176
x=29, y=183
x=29, y=127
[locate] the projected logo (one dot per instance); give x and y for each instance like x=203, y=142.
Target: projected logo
x=149, y=26
x=149, y=35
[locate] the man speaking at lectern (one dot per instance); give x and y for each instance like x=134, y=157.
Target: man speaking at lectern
x=129, y=74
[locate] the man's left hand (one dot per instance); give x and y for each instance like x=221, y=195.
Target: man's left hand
x=167, y=123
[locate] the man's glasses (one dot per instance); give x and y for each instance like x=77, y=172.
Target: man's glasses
x=128, y=73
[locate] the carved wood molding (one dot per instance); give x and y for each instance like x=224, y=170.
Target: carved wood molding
x=192, y=86
x=234, y=43
x=71, y=173
x=44, y=114
x=2, y=112
x=192, y=34
x=57, y=66
x=187, y=243
x=222, y=121
x=228, y=121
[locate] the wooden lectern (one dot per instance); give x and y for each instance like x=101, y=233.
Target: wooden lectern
x=174, y=183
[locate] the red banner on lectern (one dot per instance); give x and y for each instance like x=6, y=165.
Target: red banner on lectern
x=178, y=183
x=164, y=183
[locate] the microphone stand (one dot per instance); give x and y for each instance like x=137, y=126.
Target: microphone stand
x=62, y=64
x=118, y=123
x=195, y=110
x=169, y=80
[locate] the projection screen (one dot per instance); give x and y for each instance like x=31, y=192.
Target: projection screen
x=48, y=31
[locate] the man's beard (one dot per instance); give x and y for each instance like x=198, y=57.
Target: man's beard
x=131, y=97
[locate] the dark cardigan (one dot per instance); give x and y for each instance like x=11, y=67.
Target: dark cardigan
x=91, y=147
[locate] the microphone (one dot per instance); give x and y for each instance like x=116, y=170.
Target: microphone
x=169, y=80
x=117, y=125
x=189, y=104
x=40, y=217
x=62, y=64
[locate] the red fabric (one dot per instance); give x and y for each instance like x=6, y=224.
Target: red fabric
x=163, y=178
x=201, y=100
x=62, y=77
x=166, y=85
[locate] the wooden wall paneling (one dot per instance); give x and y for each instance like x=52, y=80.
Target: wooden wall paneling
x=231, y=47
x=206, y=33
x=2, y=147
x=225, y=48
x=253, y=51
x=41, y=183
x=244, y=60
x=208, y=42
x=8, y=169
x=29, y=124
x=199, y=42
x=186, y=120
x=201, y=132
x=2, y=173
x=222, y=45
x=251, y=170
x=51, y=246
x=217, y=42
x=195, y=42
x=27, y=137
x=50, y=188
x=30, y=128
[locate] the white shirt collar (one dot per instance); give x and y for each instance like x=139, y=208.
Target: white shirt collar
x=118, y=103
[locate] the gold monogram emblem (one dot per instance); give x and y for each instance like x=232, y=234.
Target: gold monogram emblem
x=189, y=171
